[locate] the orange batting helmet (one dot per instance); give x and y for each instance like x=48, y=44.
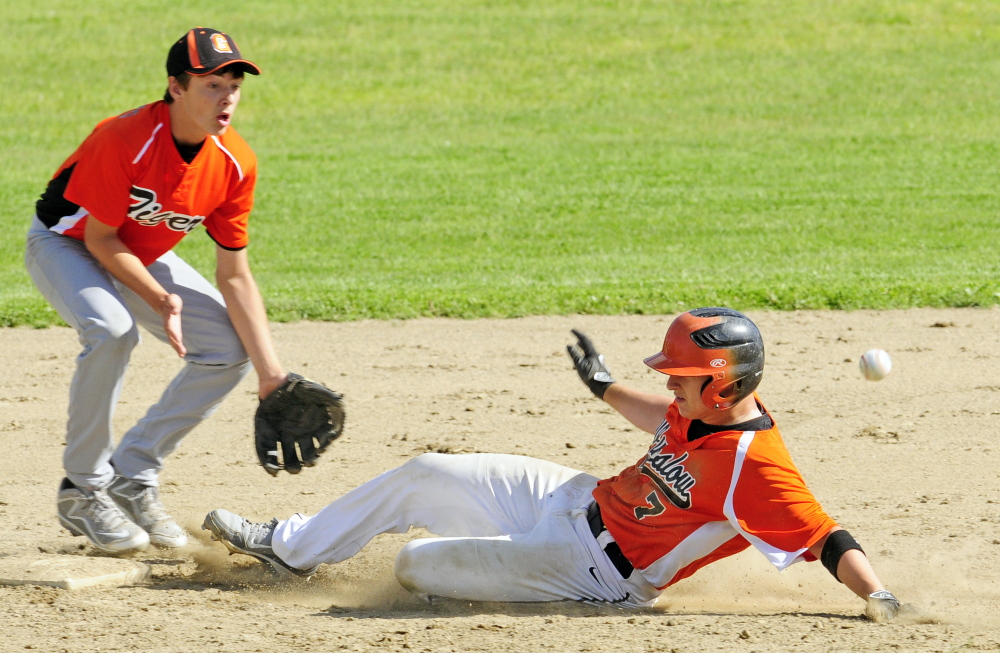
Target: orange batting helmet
x=717, y=342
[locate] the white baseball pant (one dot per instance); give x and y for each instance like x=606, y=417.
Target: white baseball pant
x=105, y=315
x=513, y=529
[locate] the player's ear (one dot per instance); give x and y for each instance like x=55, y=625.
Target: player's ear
x=174, y=87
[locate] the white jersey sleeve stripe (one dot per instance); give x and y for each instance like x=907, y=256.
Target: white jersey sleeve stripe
x=694, y=547
x=777, y=557
x=232, y=158
x=145, y=147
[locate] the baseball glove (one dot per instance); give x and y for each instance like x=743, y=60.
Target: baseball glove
x=302, y=416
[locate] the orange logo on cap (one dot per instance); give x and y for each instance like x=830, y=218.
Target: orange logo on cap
x=221, y=44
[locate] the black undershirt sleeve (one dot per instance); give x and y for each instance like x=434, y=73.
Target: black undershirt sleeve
x=52, y=206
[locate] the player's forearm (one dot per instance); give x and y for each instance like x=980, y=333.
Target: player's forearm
x=645, y=410
x=857, y=574
x=121, y=263
x=249, y=318
x=853, y=568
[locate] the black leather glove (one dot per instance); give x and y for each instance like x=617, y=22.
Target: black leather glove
x=590, y=365
x=295, y=424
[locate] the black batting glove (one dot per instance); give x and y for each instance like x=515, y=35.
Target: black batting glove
x=590, y=365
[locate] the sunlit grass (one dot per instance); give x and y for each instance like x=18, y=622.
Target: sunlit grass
x=510, y=158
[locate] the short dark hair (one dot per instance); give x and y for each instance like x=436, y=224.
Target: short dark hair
x=183, y=79
x=237, y=69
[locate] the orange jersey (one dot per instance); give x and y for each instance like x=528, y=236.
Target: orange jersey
x=687, y=504
x=129, y=174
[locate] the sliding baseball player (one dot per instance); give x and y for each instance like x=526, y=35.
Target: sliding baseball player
x=715, y=480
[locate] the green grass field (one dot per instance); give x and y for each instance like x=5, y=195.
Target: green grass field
x=501, y=158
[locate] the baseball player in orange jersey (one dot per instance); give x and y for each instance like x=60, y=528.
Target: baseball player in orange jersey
x=716, y=480
x=99, y=250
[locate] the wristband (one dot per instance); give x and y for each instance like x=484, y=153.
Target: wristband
x=837, y=544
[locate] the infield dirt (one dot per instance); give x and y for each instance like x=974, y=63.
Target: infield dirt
x=910, y=465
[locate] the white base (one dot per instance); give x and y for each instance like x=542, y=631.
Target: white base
x=70, y=572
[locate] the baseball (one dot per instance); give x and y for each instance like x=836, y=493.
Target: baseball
x=875, y=364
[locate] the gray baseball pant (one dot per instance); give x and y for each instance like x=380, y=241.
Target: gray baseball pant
x=106, y=315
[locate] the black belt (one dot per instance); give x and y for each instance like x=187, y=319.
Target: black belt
x=612, y=550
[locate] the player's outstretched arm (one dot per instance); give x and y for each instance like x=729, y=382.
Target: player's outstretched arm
x=645, y=410
x=246, y=310
x=844, y=558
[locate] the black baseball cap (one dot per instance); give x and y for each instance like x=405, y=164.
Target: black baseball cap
x=204, y=50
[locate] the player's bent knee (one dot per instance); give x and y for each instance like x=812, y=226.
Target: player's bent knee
x=408, y=568
x=237, y=360
x=426, y=567
x=445, y=567
x=424, y=466
x=224, y=350
x=121, y=336
x=436, y=466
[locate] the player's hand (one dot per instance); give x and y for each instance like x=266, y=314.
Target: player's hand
x=170, y=311
x=882, y=606
x=590, y=365
x=269, y=385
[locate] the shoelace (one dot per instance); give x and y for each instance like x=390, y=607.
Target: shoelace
x=258, y=533
x=105, y=511
x=149, y=499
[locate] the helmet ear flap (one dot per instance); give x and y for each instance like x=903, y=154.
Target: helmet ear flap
x=708, y=391
x=725, y=396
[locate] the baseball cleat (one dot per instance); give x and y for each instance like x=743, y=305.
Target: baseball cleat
x=92, y=514
x=142, y=504
x=240, y=535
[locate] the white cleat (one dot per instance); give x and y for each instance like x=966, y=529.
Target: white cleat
x=142, y=504
x=92, y=514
